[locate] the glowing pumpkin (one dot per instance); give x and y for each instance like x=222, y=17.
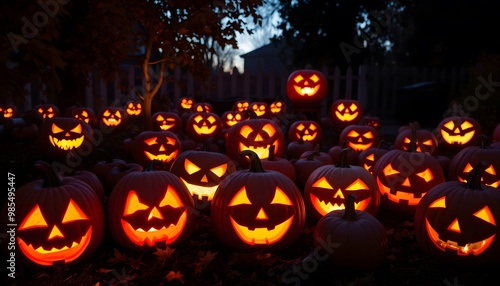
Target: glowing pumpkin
x=231, y=117
x=457, y=132
x=114, y=117
x=241, y=105
x=370, y=156
x=344, y=112
x=10, y=111
x=203, y=125
x=202, y=171
x=202, y=107
x=47, y=110
x=166, y=121
x=306, y=86
x=133, y=108
x=150, y=209
x=307, y=130
x=328, y=186
x=373, y=121
x=359, y=137
x=257, y=209
x=185, y=104
x=261, y=109
x=425, y=140
x=156, y=145
x=86, y=114
x=278, y=107
x=61, y=219
x=458, y=222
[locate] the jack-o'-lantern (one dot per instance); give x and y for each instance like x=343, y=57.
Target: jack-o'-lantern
x=10, y=111
x=61, y=135
x=370, y=156
x=166, y=121
x=277, y=107
x=133, y=108
x=373, y=121
x=306, y=86
x=150, y=209
x=202, y=107
x=86, y=114
x=257, y=135
x=114, y=117
x=425, y=140
x=359, y=137
x=47, y=110
x=156, y=145
x=185, y=104
x=231, y=117
x=202, y=171
x=257, y=209
x=458, y=222
x=462, y=163
x=457, y=132
x=241, y=105
x=404, y=177
x=344, y=112
x=203, y=125
x=61, y=219
x=307, y=130
x=261, y=109
x=328, y=186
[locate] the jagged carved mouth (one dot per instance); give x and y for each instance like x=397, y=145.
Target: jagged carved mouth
x=261, y=235
x=457, y=139
x=161, y=157
x=66, y=144
x=201, y=191
x=261, y=151
x=204, y=129
x=398, y=195
x=325, y=207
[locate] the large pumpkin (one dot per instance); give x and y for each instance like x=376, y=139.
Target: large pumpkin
x=61, y=219
x=328, y=186
x=360, y=240
x=149, y=209
x=306, y=86
x=256, y=209
x=458, y=222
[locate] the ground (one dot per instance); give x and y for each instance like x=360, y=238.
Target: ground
x=204, y=260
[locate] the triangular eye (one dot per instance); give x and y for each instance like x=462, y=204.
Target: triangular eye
x=466, y=125
x=150, y=141
x=427, y=142
x=170, y=141
x=340, y=107
x=281, y=198
x=241, y=198
x=159, y=118
x=450, y=125
x=312, y=127
x=357, y=185
x=298, y=78
x=269, y=129
x=56, y=129
x=198, y=118
x=245, y=131
x=118, y=114
x=353, y=107
x=133, y=204
x=486, y=215
x=300, y=127
x=439, y=203
x=353, y=133
x=314, y=78
x=490, y=170
x=322, y=183
x=368, y=135
x=33, y=219
x=426, y=175
x=85, y=114
x=77, y=129
x=73, y=213
x=370, y=157
x=190, y=167
x=106, y=113
x=468, y=168
x=211, y=119
x=219, y=171
x=388, y=170
x=171, y=198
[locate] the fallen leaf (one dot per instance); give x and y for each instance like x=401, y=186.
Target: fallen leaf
x=175, y=275
x=164, y=254
x=204, y=261
x=118, y=257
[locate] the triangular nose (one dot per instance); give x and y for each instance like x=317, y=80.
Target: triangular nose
x=262, y=214
x=204, y=179
x=162, y=148
x=55, y=232
x=258, y=138
x=155, y=213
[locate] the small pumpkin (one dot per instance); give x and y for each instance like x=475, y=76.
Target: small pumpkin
x=278, y=107
x=344, y=112
x=10, y=111
x=241, y=105
x=149, y=145
x=360, y=238
x=86, y=114
x=256, y=209
x=307, y=130
x=201, y=126
x=359, y=137
x=202, y=107
x=47, y=110
x=166, y=121
x=134, y=108
x=261, y=109
x=425, y=142
x=186, y=104
x=457, y=132
x=115, y=117
x=306, y=86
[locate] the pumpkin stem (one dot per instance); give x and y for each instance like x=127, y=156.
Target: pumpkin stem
x=485, y=141
x=150, y=166
x=270, y=156
x=342, y=163
x=251, y=114
x=474, y=179
x=255, y=163
x=50, y=177
x=413, y=137
x=350, y=209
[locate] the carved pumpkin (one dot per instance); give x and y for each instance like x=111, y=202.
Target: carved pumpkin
x=257, y=209
x=134, y=108
x=231, y=117
x=203, y=125
x=62, y=136
x=86, y=114
x=307, y=130
x=255, y=134
x=306, y=86
x=185, y=104
x=202, y=171
x=359, y=137
x=261, y=109
x=370, y=156
x=328, y=186
x=202, y=107
x=241, y=105
x=10, y=111
x=457, y=132
x=149, y=209
x=114, y=117
x=47, y=110
x=373, y=121
x=458, y=222
x=344, y=112
x=462, y=163
x=277, y=107
x=425, y=140
x=166, y=121
x=357, y=240
x=156, y=145
x=61, y=219
x=404, y=177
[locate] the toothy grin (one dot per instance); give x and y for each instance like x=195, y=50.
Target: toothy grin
x=262, y=235
x=261, y=151
x=66, y=144
x=325, y=207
